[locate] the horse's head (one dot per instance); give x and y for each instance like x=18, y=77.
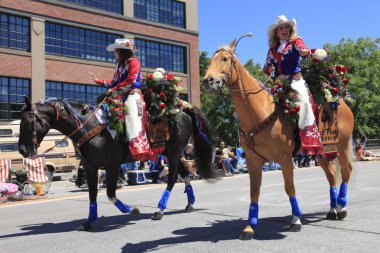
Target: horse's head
x=33, y=128
x=222, y=69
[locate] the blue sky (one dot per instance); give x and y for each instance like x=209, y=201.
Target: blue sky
x=317, y=21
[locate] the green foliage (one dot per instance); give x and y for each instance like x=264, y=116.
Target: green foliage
x=219, y=109
x=362, y=59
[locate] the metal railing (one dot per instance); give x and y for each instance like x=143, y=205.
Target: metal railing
x=373, y=144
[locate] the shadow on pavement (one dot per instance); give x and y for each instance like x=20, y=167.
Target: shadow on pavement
x=103, y=224
x=271, y=228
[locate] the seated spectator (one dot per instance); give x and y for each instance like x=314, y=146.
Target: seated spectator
x=160, y=167
x=188, y=161
x=360, y=155
x=227, y=159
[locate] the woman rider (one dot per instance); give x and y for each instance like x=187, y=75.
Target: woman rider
x=126, y=80
x=284, y=59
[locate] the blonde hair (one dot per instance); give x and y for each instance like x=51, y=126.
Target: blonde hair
x=273, y=39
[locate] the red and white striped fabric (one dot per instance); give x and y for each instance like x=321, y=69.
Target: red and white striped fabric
x=5, y=165
x=36, y=169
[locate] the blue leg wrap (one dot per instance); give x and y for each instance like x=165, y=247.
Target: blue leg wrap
x=122, y=207
x=253, y=215
x=93, y=215
x=333, y=197
x=190, y=194
x=296, y=211
x=164, y=200
x=342, y=198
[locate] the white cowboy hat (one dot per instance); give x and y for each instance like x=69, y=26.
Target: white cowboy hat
x=121, y=44
x=281, y=20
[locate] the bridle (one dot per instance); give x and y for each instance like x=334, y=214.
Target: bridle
x=229, y=73
x=35, y=118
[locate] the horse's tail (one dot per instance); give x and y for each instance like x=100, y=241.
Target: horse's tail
x=203, y=141
x=338, y=168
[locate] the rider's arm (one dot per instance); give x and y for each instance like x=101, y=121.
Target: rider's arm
x=268, y=66
x=301, y=47
x=133, y=71
x=108, y=83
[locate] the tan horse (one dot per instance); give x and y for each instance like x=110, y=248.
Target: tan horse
x=267, y=136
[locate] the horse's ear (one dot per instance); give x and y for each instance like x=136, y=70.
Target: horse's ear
x=232, y=45
x=28, y=103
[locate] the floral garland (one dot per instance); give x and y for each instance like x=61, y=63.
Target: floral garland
x=161, y=92
x=327, y=82
x=285, y=99
x=115, y=111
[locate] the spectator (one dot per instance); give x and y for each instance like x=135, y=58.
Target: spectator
x=188, y=161
x=360, y=155
x=161, y=168
x=227, y=159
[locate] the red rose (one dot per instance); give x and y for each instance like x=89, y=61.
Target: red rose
x=179, y=105
x=163, y=95
x=150, y=91
x=118, y=97
x=120, y=116
x=315, y=60
x=110, y=101
x=297, y=108
x=292, y=111
x=271, y=90
x=170, y=77
x=162, y=106
x=286, y=106
x=313, y=50
x=114, y=109
x=335, y=90
x=346, y=81
x=338, y=68
x=344, y=69
x=150, y=76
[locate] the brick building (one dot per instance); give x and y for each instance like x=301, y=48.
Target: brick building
x=47, y=47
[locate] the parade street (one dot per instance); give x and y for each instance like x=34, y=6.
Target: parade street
x=50, y=225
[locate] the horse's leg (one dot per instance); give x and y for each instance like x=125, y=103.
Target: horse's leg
x=111, y=180
x=287, y=172
x=188, y=188
x=172, y=179
x=329, y=170
x=255, y=173
x=346, y=168
x=92, y=181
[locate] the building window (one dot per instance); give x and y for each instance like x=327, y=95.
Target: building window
x=154, y=54
x=169, y=12
x=14, y=32
x=12, y=92
x=81, y=93
x=77, y=42
x=107, y=5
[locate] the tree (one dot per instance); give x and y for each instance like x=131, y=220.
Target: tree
x=219, y=109
x=362, y=59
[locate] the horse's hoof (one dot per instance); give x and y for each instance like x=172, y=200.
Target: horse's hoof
x=135, y=211
x=295, y=227
x=86, y=226
x=157, y=215
x=331, y=216
x=189, y=208
x=342, y=215
x=245, y=236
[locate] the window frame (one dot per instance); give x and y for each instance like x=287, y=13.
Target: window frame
x=11, y=102
x=86, y=3
x=8, y=31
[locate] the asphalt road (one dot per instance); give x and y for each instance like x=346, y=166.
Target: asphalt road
x=50, y=225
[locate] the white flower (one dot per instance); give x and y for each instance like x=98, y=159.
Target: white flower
x=320, y=54
x=286, y=111
x=174, y=111
x=287, y=101
x=157, y=76
x=161, y=70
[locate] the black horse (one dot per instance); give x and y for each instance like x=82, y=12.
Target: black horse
x=102, y=151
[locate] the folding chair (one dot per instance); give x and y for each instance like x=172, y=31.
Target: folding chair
x=36, y=174
x=6, y=188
